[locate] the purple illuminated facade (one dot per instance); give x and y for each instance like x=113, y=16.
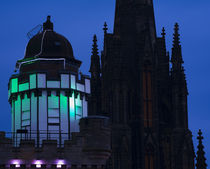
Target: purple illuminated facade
x=89, y=148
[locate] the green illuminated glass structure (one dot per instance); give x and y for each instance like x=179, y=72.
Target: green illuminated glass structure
x=46, y=110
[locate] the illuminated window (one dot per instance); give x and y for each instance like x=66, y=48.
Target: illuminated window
x=41, y=78
x=14, y=85
x=25, y=111
x=73, y=82
x=78, y=103
x=23, y=87
x=33, y=81
x=53, y=109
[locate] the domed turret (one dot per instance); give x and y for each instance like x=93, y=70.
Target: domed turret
x=48, y=96
x=48, y=51
x=49, y=44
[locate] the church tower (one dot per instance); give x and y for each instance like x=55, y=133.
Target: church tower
x=145, y=99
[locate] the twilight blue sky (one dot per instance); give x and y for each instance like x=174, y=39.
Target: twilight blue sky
x=78, y=20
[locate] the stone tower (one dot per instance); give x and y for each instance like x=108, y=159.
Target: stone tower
x=49, y=108
x=145, y=97
x=47, y=96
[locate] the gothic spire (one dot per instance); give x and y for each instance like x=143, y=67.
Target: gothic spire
x=95, y=46
x=179, y=83
x=176, y=59
x=95, y=61
x=201, y=160
x=95, y=82
x=130, y=21
x=105, y=28
x=120, y=22
x=163, y=33
x=176, y=41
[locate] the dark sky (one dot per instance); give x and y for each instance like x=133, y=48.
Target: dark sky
x=79, y=20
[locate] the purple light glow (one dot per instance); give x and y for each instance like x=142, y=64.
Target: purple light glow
x=38, y=163
x=60, y=163
x=16, y=163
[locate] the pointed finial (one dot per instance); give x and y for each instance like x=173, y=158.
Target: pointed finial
x=95, y=46
x=200, y=137
x=176, y=57
x=176, y=35
x=95, y=61
x=105, y=28
x=48, y=25
x=95, y=38
x=200, y=159
x=163, y=33
x=48, y=18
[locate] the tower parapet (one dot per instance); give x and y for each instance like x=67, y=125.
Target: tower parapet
x=89, y=147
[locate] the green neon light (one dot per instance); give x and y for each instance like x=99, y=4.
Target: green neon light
x=28, y=63
x=72, y=107
x=63, y=103
x=14, y=85
x=64, y=120
x=33, y=81
x=26, y=59
x=23, y=87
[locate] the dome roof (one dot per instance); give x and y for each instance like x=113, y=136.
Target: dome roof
x=49, y=44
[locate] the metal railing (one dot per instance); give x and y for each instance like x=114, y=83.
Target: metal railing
x=16, y=138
